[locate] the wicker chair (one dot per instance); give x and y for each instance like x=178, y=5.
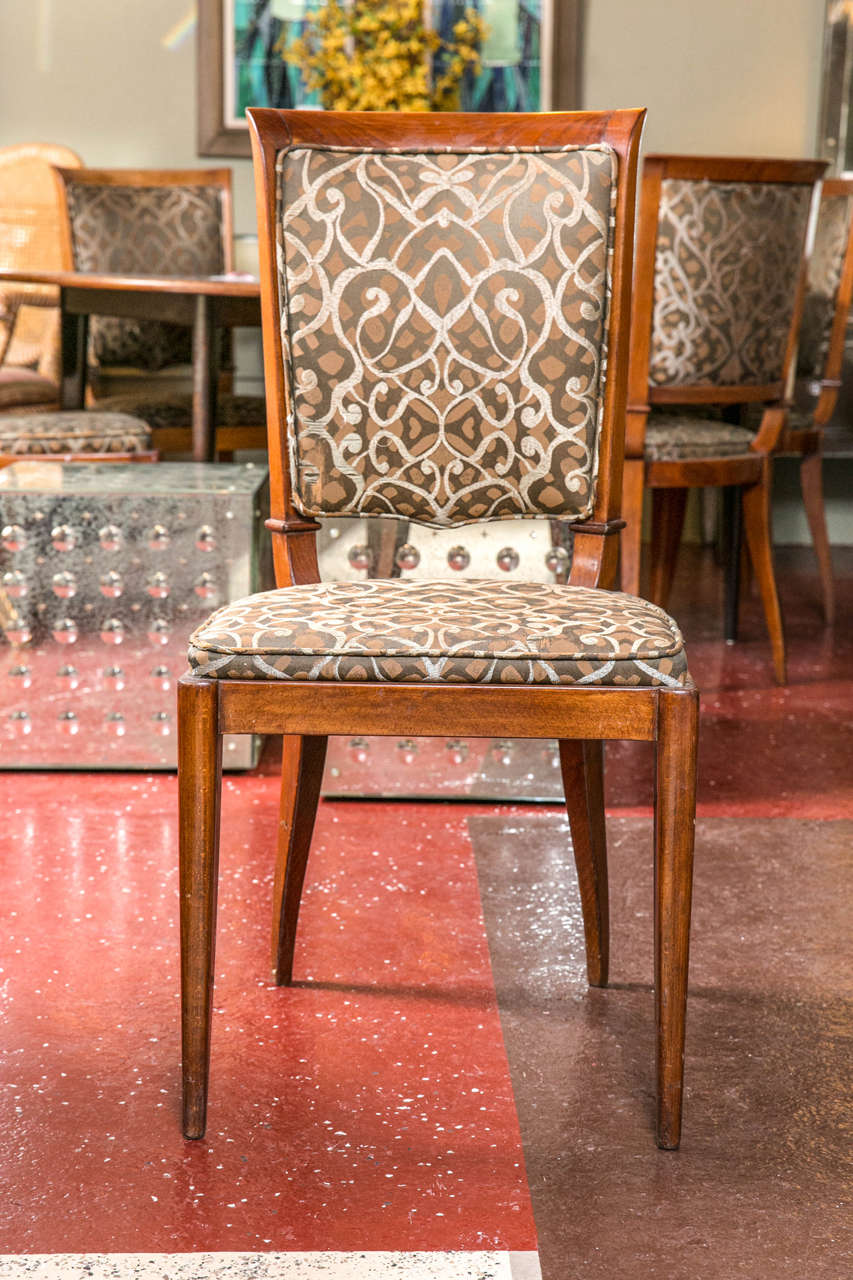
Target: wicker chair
x=30, y=239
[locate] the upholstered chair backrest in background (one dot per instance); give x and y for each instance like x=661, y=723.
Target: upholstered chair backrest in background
x=146, y=222
x=829, y=280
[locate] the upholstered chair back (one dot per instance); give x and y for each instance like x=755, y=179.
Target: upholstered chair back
x=444, y=322
x=146, y=223
x=727, y=268
x=831, y=247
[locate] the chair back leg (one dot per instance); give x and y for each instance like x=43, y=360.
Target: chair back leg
x=675, y=810
x=302, y=764
x=582, y=765
x=811, y=484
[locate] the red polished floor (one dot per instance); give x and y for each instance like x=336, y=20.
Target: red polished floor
x=368, y=1109
x=372, y=1107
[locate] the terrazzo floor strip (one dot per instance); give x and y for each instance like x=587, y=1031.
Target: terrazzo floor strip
x=273, y=1266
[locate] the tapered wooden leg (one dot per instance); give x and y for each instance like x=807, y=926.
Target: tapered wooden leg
x=301, y=775
x=675, y=812
x=811, y=483
x=631, y=537
x=582, y=765
x=733, y=530
x=756, y=523
x=199, y=788
x=668, y=508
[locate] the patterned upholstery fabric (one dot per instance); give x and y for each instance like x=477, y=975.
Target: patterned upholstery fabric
x=440, y=632
x=73, y=431
x=25, y=386
x=165, y=230
x=673, y=437
x=726, y=269
x=824, y=276
x=176, y=410
x=444, y=330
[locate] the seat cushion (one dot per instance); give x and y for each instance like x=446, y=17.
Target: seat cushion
x=73, y=431
x=176, y=410
x=470, y=632
x=675, y=437
x=25, y=386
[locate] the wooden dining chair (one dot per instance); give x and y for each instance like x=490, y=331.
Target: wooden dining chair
x=718, y=287
x=820, y=351
x=169, y=222
x=445, y=319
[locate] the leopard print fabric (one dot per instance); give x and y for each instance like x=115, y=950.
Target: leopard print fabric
x=444, y=330
x=163, y=231
x=470, y=632
x=726, y=270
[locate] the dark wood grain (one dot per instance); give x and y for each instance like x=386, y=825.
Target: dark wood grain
x=582, y=765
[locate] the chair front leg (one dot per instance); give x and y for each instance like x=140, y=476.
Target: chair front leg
x=675, y=814
x=199, y=792
x=582, y=765
x=302, y=764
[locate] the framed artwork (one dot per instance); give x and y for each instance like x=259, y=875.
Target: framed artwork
x=530, y=60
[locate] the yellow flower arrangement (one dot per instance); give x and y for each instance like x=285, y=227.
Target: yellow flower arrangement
x=372, y=55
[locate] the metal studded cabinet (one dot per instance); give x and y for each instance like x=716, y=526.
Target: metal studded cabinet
x=105, y=570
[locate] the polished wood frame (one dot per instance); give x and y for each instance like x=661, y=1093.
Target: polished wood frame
x=216, y=138
x=306, y=713
x=748, y=473
x=808, y=441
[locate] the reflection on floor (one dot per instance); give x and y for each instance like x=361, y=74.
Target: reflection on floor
x=369, y=1121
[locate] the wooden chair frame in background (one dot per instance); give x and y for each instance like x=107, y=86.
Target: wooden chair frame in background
x=671, y=480
x=306, y=713
x=807, y=442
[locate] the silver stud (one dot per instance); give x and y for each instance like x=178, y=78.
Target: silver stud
x=158, y=586
x=111, y=584
x=69, y=676
x=205, y=539
x=114, y=678
x=63, y=537
x=507, y=559
x=64, y=631
x=15, y=584
x=457, y=750
x=68, y=723
x=21, y=722
x=115, y=723
x=458, y=558
x=408, y=556
x=159, y=631
x=360, y=557
x=360, y=749
x=13, y=537
x=408, y=749
x=110, y=537
x=18, y=632
x=158, y=537
x=64, y=585
x=205, y=587
x=22, y=673
x=112, y=631
x=557, y=560
x=161, y=678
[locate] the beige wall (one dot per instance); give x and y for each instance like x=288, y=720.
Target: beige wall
x=734, y=77
x=717, y=75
